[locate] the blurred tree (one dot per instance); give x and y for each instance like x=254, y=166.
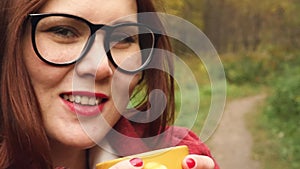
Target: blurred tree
x=174, y=7
x=243, y=25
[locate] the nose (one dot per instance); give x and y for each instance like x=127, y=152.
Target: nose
x=95, y=63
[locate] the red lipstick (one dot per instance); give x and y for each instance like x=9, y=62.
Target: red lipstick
x=84, y=103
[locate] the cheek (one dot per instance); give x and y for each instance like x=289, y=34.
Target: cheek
x=126, y=83
x=122, y=87
x=135, y=80
x=46, y=80
x=42, y=75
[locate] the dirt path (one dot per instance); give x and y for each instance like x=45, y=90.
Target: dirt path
x=232, y=142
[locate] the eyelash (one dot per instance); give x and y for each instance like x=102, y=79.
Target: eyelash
x=129, y=39
x=63, y=31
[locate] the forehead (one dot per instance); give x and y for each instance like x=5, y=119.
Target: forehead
x=96, y=11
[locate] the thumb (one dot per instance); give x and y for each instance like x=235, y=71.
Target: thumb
x=198, y=162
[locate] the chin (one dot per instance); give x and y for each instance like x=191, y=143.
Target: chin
x=82, y=144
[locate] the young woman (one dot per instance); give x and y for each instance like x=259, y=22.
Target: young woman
x=64, y=64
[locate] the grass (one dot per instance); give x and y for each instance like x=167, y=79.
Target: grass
x=267, y=146
x=235, y=91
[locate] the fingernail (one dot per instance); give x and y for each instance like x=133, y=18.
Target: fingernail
x=191, y=163
x=136, y=162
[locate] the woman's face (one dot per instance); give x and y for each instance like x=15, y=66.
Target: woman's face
x=81, y=90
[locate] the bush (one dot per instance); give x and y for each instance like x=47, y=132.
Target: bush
x=255, y=67
x=283, y=115
x=286, y=96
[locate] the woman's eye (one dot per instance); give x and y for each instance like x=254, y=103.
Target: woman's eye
x=123, y=41
x=63, y=32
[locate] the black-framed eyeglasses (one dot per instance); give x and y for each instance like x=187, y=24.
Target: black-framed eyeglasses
x=63, y=39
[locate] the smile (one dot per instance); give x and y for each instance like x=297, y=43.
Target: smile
x=84, y=103
x=83, y=100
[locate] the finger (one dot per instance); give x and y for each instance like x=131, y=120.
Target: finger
x=134, y=163
x=198, y=162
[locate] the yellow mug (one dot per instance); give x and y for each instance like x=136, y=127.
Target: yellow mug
x=167, y=158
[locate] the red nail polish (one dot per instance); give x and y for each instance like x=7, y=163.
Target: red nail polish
x=136, y=162
x=191, y=163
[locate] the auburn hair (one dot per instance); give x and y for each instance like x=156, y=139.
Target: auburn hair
x=23, y=140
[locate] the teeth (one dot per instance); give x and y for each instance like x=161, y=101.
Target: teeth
x=92, y=101
x=84, y=100
x=77, y=99
x=66, y=97
x=71, y=98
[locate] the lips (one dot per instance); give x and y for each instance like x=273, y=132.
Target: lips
x=84, y=103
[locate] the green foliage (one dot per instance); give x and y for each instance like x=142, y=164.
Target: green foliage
x=190, y=10
x=244, y=69
x=286, y=97
x=283, y=114
x=199, y=72
x=256, y=67
x=235, y=91
x=280, y=122
x=174, y=7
